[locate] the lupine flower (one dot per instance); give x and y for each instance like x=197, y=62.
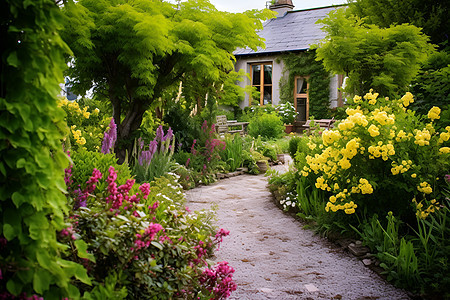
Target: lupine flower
x=160, y=134
x=169, y=134
x=110, y=137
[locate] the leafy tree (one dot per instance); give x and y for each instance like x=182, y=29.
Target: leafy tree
x=432, y=85
x=385, y=59
x=132, y=51
x=32, y=160
x=431, y=16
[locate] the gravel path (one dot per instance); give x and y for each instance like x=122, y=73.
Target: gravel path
x=274, y=257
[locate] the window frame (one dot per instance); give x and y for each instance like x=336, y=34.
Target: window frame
x=302, y=95
x=261, y=85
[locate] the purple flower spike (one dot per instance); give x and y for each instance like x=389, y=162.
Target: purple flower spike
x=169, y=134
x=160, y=134
x=110, y=137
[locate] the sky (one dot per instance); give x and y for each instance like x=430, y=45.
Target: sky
x=243, y=5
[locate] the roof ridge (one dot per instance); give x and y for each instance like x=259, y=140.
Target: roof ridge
x=315, y=8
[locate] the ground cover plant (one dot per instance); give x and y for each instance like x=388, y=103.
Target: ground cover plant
x=376, y=163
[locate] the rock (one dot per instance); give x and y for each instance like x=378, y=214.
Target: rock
x=343, y=242
x=357, y=251
x=367, y=262
x=266, y=290
x=358, y=243
x=311, y=288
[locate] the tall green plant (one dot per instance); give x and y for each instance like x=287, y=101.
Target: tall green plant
x=232, y=154
x=32, y=160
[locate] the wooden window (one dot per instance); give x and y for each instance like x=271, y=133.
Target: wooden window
x=261, y=77
x=301, y=97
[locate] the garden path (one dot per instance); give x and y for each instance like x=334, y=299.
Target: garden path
x=274, y=257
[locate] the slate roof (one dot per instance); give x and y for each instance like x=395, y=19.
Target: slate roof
x=294, y=31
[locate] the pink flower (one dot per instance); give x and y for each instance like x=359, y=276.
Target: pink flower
x=145, y=189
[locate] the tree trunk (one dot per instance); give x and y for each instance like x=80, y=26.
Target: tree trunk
x=127, y=128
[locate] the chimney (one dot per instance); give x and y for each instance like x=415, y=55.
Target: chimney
x=282, y=7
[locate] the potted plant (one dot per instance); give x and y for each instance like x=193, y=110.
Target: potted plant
x=287, y=113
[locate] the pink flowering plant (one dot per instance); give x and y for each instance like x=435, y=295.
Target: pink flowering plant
x=205, y=158
x=147, y=239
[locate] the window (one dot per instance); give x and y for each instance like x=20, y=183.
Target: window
x=301, y=98
x=261, y=76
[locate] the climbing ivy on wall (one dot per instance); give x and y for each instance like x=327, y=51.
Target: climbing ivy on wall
x=32, y=160
x=304, y=64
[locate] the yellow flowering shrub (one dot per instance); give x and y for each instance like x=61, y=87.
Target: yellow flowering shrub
x=86, y=126
x=379, y=157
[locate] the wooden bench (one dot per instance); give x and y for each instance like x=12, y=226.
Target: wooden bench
x=323, y=124
x=230, y=126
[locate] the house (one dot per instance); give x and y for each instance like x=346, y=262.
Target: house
x=292, y=31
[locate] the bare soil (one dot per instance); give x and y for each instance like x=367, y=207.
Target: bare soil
x=274, y=256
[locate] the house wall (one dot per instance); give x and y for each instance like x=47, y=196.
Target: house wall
x=245, y=63
x=277, y=73
x=334, y=93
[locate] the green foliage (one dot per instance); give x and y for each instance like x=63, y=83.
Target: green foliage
x=134, y=51
x=432, y=16
x=232, y=154
x=432, y=85
x=268, y=126
x=185, y=128
x=304, y=64
x=385, y=59
x=32, y=161
x=293, y=145
x=84, y=163
x=229, y=114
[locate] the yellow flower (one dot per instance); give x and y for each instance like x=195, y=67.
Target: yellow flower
x=414, y=175
x=345, y=163
x=373, y=130
x=444, y=150
x=81, y=141
x=434, y=113
x=425, y=187
x=407, y=99
x=445, y=136
x=357, y=99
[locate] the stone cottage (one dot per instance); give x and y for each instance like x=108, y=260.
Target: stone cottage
x=292, y=31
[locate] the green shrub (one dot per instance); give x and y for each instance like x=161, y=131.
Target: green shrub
x=293, y=145
x=268, y=126
x=84, y=163
x=227, y=113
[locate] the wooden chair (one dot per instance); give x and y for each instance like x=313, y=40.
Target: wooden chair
x=221, y=124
